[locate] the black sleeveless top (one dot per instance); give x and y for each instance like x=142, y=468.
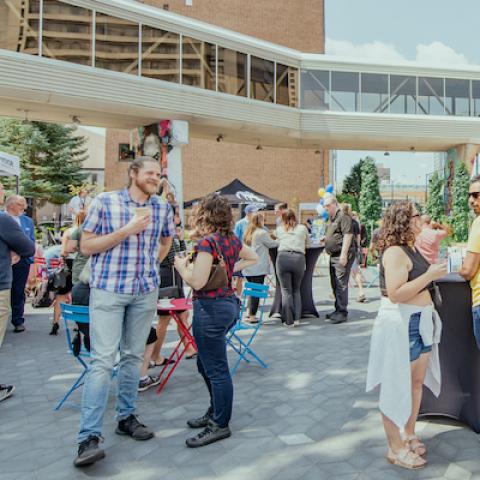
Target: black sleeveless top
x=420, y=266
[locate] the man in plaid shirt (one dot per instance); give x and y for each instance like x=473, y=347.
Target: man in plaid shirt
x=127, y=233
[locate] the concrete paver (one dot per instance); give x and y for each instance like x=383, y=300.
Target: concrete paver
x=305, y=417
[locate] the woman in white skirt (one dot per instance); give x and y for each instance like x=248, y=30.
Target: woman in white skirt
x=405, y=337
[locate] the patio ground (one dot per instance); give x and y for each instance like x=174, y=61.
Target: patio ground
x=305, y=417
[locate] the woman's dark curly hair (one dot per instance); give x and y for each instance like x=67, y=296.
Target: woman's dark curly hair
x=396, y=226
x=213, y=215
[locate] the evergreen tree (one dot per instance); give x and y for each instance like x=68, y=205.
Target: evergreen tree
x=370, y=199
x=51, y=157
x=460, y=213
x=435, y=203
x=352, y=184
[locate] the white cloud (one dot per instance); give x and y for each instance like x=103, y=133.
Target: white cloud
x=435, y=53
x=440, y=54
x=374, y=50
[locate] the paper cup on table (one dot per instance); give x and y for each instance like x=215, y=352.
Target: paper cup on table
x=165, y=303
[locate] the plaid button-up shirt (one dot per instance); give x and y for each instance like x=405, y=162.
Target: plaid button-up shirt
x=131, y=267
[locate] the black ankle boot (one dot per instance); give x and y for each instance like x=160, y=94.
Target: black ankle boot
x=201, y=422
x=54, y=330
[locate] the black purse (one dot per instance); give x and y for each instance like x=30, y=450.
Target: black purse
x=172, y=291
x=57, y=280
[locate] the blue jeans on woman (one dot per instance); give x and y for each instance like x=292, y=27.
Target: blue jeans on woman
x=212, y=319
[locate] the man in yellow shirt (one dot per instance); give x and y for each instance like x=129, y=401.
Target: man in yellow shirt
x=470, y=269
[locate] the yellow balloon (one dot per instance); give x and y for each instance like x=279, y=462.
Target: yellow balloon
x=321, y=192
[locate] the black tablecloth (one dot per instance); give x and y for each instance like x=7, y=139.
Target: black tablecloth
x=459, y=358
x=308, y=305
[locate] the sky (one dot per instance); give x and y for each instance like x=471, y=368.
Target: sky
x=429, y=31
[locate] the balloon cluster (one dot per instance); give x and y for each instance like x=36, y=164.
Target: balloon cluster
x=324, y=193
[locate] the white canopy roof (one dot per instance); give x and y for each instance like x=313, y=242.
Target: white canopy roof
x=9, y=164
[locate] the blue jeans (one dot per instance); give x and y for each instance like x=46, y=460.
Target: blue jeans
x=119, y=323
x=212, y=319
x=476, y=324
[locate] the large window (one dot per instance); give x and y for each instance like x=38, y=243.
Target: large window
x=232, y=72
x=287, y=85
x=374, y=93
x=160, y=54
x=476, y=97
x=457, y=96
x=116, y=44
x=67, y=32
x=431, y=100
x=403, y=94
x=262, y=79
x=198, y=63
x=19, y=26
x=315, y=90
x=345, y=91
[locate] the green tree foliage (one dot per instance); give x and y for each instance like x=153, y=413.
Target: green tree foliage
x=350, y=199
x=51, y=156
x=460, y=214
x=370, y=199
x=352, y=184
x=435, y=203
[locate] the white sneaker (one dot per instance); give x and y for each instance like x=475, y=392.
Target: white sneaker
x=296, y=323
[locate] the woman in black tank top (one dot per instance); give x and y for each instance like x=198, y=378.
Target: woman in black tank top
x=405, y=278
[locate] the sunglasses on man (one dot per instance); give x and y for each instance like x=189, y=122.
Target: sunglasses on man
x=475, y=195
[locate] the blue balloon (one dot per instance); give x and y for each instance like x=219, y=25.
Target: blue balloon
x=322, y=201
x=325, y=216
x=329, y=188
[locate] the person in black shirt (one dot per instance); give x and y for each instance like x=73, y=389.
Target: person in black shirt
x=168, y=278
x=340, y=246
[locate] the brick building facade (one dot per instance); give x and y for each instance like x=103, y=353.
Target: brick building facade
x=286, y=174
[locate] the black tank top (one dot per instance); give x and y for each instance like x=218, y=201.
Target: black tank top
x=420, y=266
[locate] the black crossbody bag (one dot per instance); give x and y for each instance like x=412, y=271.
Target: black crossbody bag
x=172, y=291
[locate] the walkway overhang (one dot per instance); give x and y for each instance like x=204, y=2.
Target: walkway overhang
x=52, y=90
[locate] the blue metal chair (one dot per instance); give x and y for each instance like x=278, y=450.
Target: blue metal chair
x=241, y=346
x=73, y=314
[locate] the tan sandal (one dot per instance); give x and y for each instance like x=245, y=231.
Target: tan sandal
x=405, y=458
x=415, y=445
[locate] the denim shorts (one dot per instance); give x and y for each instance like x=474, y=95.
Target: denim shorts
x=417, y=347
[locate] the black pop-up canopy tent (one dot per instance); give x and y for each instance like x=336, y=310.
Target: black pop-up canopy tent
x=238, y=194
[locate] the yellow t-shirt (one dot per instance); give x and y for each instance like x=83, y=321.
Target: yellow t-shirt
x=474, y=247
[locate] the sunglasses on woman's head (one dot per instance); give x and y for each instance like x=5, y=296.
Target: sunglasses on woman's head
x=475, y=195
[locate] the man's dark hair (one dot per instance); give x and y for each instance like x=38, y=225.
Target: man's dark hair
x=137, y=165
x=282, y=206
x=475, y=179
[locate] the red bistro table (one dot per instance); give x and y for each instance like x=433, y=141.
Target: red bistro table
x=176, y=306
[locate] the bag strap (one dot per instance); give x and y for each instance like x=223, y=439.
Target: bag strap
x=217, y=249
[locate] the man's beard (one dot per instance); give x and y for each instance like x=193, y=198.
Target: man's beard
x=146, y=187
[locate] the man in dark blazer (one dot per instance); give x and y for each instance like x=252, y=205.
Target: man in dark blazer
x=14, y=244
x=15, y=206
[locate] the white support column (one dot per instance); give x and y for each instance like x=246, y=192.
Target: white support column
x=175, y=170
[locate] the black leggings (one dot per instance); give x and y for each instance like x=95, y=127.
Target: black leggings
x=253, y=301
